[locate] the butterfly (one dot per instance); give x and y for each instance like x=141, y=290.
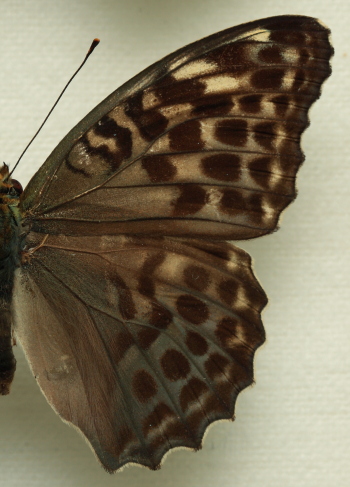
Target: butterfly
x=138, y=317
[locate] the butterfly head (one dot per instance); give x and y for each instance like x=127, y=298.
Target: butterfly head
x=10, y=189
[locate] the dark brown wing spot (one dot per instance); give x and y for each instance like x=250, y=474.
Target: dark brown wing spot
x=107, y=127
x=255, y=207
x=191, y=200
x=226, y=329
x=172, y=92
x=191, y=392
x=232, y=132
x=121, y=344
x=171, y=429
x=186, y=137
x=152, y=262
x=231, y=57
x=160, y=414
x=175, y=365
x=211, y=106
x=147, y=336
x=144, y=386
x=216, y=365
x=260, y=170
x=192, y=309
x=159, y=168
x=271, y=55
x=250, y=103
x=232, y=201
x=146, y=286
x=126, y=303
x=244, y=358
x=196, y=277
x=265, y=134
x=223, y=167
x=267, y=79
x=228, y=290
x=304, y=56
x=196, y=343
x=281, y=104
x=150, y=123
x=146, y=281
x=256, y=296
x=288, y=37
x=160, y=317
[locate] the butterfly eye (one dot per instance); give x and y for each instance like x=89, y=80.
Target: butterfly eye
x=16, y=188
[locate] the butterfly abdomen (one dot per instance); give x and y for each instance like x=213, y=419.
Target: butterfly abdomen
x=7, y=268
x=9, y=251
x=7, y=359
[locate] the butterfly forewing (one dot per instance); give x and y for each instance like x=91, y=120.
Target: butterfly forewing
x=144, y=329
x=215, y=138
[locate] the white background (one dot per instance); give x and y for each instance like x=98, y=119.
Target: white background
x=293, y=426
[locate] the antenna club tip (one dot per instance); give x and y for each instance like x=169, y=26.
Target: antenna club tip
x=94, y=44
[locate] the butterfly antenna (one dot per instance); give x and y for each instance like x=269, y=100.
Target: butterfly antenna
x=94, y=44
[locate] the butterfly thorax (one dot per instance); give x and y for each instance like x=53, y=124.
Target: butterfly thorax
x=10, y=191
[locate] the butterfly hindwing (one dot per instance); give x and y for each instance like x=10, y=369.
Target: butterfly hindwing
x=169, y=328
x=144, y=320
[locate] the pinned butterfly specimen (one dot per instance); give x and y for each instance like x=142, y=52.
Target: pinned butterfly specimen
x=138, y=318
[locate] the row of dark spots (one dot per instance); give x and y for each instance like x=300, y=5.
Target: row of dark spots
x=164, y=421
x=301, y=33
x=177, y=367
x=217, y=366
x=228, y=167
x=195, y=342
x=195, y=277
x=159, y=319
x=271, y=79
x=235, y=132
x=236, y=202
x=227, y=333
x=221, y=167
x=229, y=131
x=233, y=202
x=252, y=104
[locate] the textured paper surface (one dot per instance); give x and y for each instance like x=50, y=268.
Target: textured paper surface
x=292, y=427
